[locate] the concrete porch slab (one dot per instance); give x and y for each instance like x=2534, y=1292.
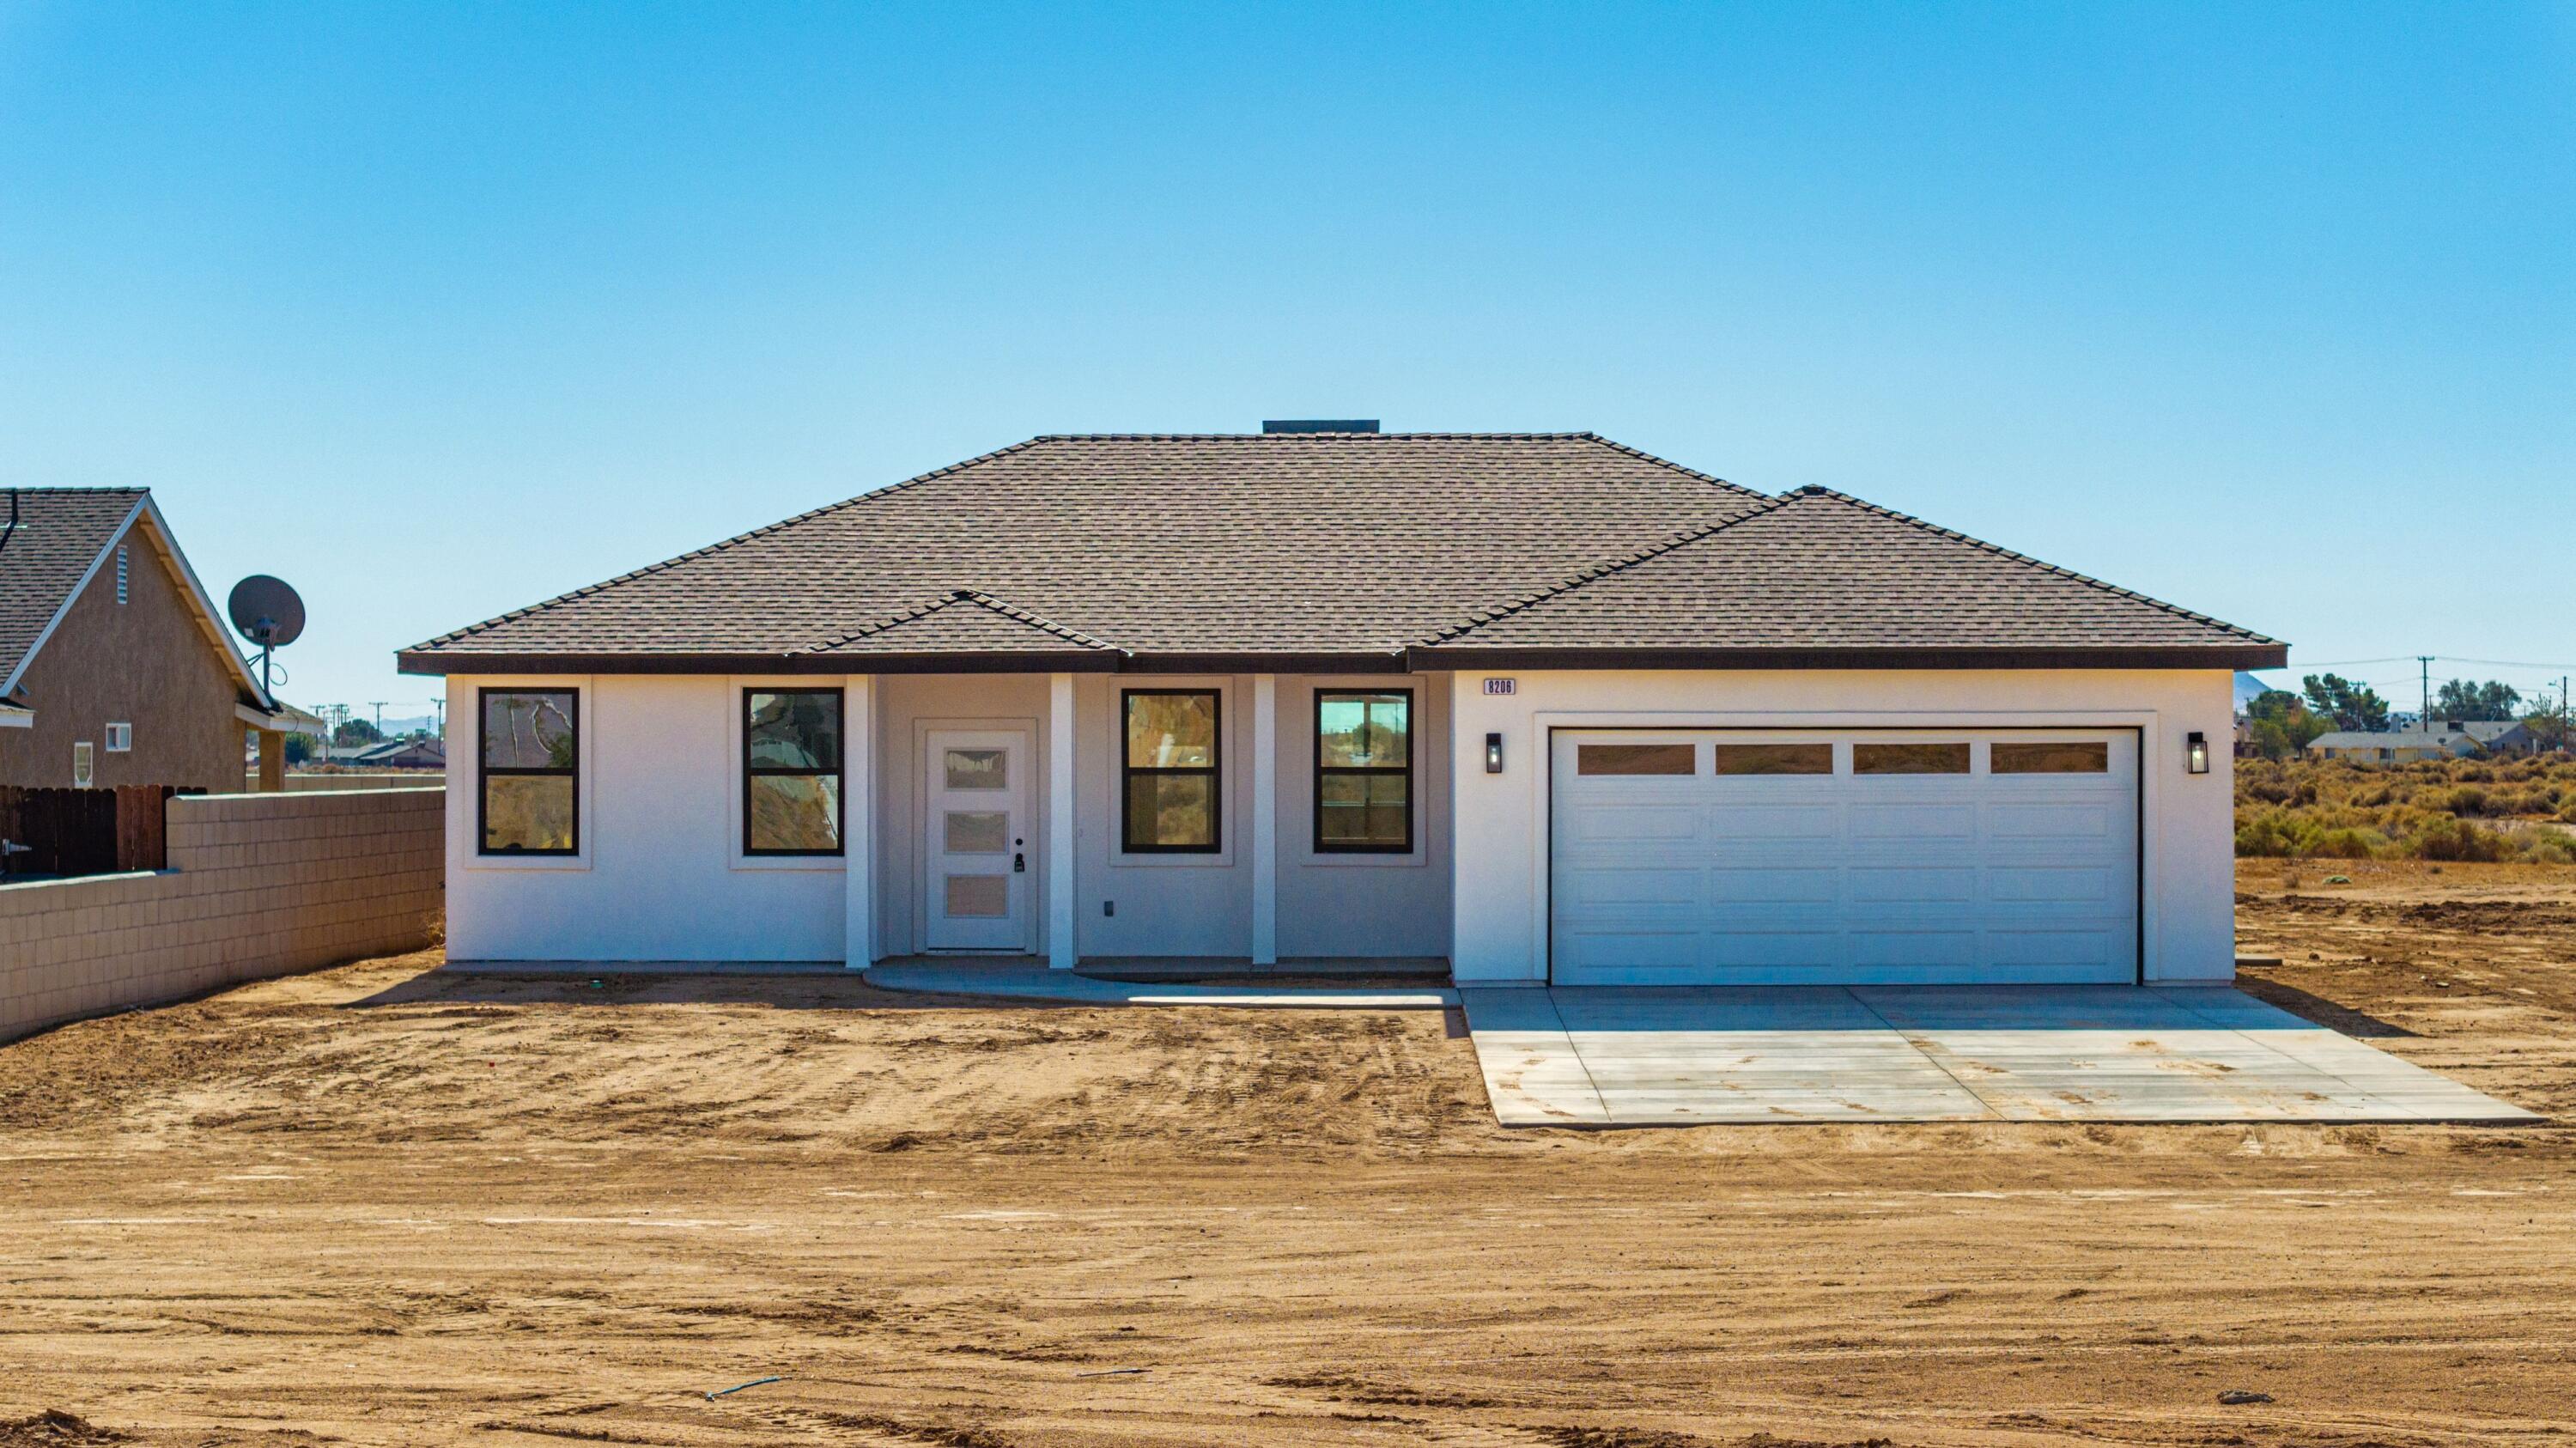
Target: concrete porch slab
x=1635, y=1056
x=1020, y=981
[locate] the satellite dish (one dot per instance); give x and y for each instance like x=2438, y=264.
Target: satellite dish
x=266, y=611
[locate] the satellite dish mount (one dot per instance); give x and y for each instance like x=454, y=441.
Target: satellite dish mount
x=268, y=613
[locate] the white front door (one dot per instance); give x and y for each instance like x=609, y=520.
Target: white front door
x=979, y=843
x=1835, y=857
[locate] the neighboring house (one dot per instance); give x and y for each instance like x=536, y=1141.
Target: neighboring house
x=393, y=754
x=2450, y=739
x=115, y=667
x=1538, y=705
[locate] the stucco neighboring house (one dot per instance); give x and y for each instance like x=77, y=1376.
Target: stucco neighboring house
x=2445, y=739
x=1537, y=705
x=115, y=666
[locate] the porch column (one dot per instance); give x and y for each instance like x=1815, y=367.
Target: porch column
x=1265, y=819
x=859, y=819
x=1061, y=952
x=272, y=760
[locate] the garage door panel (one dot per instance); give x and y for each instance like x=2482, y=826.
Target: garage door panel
x=1912, y=821
x=2072, y=820
x=1843, y=878
x=1632, y=886
x=1624, y=822
x=1910, y=884
x=2070, y=949
x=1867, y=948
x=1633, y=949
x=1783, y=821
x=1775, y=949
x=1817, y=883
x=2100, y=885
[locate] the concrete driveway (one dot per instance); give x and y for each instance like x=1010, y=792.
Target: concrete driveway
x=1604, y=1056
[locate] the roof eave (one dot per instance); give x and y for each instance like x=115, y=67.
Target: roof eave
x=2248, y=655
x=440, y=661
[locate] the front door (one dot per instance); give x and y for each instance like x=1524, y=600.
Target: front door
x=980, y=893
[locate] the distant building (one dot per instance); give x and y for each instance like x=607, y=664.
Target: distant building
x=115, y=667
x=393, y=754
x=2447, y=739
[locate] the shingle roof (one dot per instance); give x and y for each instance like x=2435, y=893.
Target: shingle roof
x=1817, y=570
x=60, y=533
x=964, y=622
x=1332, y=548
x=1319, y=542
x=2476, y=731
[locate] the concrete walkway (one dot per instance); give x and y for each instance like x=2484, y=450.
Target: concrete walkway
x=1617, y=1056
x=1001, y=980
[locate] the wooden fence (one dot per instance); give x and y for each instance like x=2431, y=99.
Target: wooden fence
x=84, y=831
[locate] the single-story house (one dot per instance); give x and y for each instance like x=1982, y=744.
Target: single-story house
x=116, y=668
x=390, y=754
x=1537, y=705
x=2443, y=739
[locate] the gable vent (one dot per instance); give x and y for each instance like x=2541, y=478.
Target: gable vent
x=1320, y=424
x=120, y=573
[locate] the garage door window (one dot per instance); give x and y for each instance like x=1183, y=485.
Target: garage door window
x=1910, y=758
x=1634, y=759
x=2064, y=758
x=1774, y=758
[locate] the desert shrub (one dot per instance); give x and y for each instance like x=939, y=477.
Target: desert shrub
x=2445, y=837
x=2267, y=835
x=2548, y=848
x=2467, y=801
x=2567, y=809
x=2348, y=843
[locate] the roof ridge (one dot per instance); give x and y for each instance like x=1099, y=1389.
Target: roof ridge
x=696, y=553
x=1817, y=490
x=1689, y=472
x=975, y=596
x=1604, y=569
x=1325, y=437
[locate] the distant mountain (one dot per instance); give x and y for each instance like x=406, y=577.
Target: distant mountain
x=2249, y=685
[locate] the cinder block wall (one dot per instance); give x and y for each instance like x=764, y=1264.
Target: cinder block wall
x=259, y=885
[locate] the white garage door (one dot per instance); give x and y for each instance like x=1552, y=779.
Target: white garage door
x=1730, y=857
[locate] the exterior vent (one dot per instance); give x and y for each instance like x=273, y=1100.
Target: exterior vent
x=1320, y=424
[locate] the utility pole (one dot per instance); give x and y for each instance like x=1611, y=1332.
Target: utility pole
x=2424, y=720
x=379, y=706
x=440, y=705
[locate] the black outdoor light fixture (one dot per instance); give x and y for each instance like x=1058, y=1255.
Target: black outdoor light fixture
x=2195, y=748
x=1493, y=754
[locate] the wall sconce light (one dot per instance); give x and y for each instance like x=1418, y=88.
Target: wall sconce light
x=1493, y=754
x=2195, y=747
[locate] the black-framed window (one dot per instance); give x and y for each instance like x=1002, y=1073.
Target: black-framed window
x=528, y=794
x=1170, y=789
x=1364, y=771
x=791, y=772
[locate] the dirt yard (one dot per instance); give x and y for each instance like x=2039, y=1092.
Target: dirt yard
x=378, y=1206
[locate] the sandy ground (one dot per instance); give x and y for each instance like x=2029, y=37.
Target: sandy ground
x=373, y=1206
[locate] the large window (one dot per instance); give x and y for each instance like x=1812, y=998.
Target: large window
x=1169, y=787
x=791, y=760
x=1364, y=771
x=529, y=795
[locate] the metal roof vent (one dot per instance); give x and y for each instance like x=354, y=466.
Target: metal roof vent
x=1319, y=424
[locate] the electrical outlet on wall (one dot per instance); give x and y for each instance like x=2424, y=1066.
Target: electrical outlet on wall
x=1108, y=907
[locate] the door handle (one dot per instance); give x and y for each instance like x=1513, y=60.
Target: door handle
x=1019, y=864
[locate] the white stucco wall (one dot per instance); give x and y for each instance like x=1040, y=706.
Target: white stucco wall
x=661, y=876
x=1501, y=820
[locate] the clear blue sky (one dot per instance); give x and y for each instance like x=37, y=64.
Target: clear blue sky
x=440, y=310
